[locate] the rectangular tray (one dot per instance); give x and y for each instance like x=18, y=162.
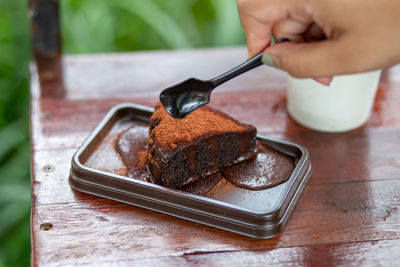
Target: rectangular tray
x=257, y=214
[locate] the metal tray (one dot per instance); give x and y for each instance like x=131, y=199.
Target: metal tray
x=258, y=214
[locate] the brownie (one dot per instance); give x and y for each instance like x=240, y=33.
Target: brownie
x=180, y=151
x=202, y=186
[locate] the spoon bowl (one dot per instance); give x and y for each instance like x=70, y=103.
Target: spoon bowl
x=183, y=98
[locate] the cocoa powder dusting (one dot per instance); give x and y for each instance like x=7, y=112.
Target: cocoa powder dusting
x=142, y=158
x=267, y=169
x=221, y=189
x=171, y=132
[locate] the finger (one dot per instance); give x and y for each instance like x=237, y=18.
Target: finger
x=257, y=40
x=289, y=29
x=316, y=59
x=257, y=18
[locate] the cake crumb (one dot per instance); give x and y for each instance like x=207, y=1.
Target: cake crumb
x=142, y=158
x=173, y=146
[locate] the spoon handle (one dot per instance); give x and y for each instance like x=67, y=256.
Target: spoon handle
x=248, y=65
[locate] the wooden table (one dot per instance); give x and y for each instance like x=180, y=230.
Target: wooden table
x=349, y=213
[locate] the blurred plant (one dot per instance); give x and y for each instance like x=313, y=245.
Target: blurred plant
x=15, y=197
x=88, y=26
x=122, y=25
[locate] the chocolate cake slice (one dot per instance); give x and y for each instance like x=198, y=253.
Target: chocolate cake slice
x=180, y=151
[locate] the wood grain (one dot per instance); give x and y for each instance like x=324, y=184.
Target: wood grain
x=368, y=153
x=375, y=253
x=349, y=213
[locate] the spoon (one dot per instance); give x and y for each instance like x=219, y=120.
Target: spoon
x=183, y=98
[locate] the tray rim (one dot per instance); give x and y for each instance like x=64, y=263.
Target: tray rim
x=263, y=219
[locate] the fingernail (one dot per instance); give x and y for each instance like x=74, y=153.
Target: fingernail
x=267, y=60
x=324, y=80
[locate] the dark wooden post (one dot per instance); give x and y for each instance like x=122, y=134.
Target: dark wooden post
x=46, y=39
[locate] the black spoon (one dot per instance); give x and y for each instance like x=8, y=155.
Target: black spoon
x=183, y=98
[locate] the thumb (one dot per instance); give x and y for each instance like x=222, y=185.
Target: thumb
x=315, y=59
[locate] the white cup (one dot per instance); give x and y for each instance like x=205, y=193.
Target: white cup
x=342, y=106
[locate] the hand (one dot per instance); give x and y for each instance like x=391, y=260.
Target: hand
x=327, y=37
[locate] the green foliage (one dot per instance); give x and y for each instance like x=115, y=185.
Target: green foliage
x=88, y=26
x=122, y=25
x=15, y=199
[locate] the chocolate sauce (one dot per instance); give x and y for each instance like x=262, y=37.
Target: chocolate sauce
x=267, y=169
x=203, y=185
x=131, y=146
